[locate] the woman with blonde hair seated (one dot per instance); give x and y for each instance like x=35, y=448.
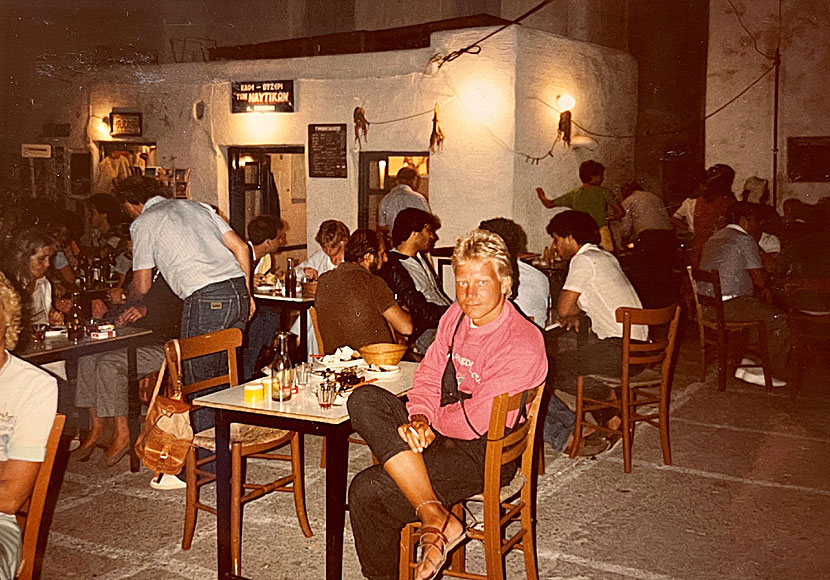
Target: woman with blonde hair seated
x=28, y=401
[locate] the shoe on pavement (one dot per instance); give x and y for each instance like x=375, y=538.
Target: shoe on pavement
x=755, y=376
x=167, y=482
x=593, y=445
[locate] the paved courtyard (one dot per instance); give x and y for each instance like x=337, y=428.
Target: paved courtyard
x=748, y=497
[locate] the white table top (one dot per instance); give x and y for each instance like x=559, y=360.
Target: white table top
x=303, y=405
x=278, y=298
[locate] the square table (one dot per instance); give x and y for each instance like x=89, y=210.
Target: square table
x=304, y=415
x=61, y=348
x=285, y=305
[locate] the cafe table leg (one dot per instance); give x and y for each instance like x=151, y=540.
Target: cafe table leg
x=133, y=407
x=304, y=334
x=337, y=460
x=223, y=494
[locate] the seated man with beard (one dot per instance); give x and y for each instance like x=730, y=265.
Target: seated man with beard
x=354, y=306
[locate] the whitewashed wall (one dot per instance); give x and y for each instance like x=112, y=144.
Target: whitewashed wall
x=483, y=99
x=603, y=83
x=742, y=134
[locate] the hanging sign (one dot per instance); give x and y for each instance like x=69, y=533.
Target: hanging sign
x=35, y=151
x=125, y=124
x=327, y=150
x=262, y=96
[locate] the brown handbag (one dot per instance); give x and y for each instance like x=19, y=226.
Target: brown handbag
x=167, y=434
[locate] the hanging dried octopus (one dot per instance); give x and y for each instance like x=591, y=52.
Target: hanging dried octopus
x=436, y=139
x=361, y=125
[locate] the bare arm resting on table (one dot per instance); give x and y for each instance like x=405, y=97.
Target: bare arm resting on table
x=17, y=478
x=567, y=310
x=400, y=320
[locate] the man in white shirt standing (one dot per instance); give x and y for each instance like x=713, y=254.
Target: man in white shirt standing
x=203, y=260
x=594, y=288
x=401, y=196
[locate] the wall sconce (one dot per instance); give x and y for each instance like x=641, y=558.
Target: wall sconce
x=104, y=127
x=565, y=104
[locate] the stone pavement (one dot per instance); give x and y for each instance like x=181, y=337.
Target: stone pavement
x=748, y=497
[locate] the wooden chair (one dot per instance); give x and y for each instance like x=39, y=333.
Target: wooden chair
x=30, y=515
x=721, y=329
x=247, y=441
x=313, y=312
x=808, y=302
x=503, y=506
x=634, y=392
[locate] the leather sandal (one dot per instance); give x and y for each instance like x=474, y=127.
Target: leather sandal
x=439, y=543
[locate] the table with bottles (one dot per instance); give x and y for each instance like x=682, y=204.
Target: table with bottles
x=57, y=346
x=286, y=305
x=303, y=414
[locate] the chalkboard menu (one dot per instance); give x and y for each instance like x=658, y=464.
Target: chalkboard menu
x=327, y=150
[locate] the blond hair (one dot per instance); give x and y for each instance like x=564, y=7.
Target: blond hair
x=10, y=303
x=486, y=246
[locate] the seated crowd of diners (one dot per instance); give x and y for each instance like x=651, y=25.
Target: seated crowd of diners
x=180, y=270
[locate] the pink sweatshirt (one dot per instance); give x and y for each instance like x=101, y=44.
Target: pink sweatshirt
x=504, y=356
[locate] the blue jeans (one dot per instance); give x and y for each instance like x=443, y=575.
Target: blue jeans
x=215, y=307
x=559, y=424
x=261, y=329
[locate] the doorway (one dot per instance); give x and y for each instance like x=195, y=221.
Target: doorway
x=377, y=170
x=269, y=181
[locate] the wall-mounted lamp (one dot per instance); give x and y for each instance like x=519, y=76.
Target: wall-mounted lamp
x=565, y=104
x=104, y=127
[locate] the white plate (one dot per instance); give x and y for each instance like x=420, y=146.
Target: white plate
x=388, y=372
x=267, y=289
x=56, y=331
x=341, y=364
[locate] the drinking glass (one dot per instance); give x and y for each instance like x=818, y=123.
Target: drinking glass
x=326, y=394
x=39, y=332
x=301, y=374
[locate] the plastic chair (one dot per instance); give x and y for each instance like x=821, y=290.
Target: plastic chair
x=808, y=302
x=30, y=515
x=635, y=392
x=247, y=441
x=503, y=505
x=722, y=329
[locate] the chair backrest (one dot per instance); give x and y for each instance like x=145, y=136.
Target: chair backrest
x=503, y=448
x=715, y=302
x=806, y=299
x=31, y=514
x=312, y=312
x=226, y=341
x=659, y=349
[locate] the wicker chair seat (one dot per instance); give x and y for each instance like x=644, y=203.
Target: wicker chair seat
x=244, y=434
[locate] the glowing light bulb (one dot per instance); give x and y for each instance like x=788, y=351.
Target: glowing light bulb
x=565, y=102
x=103, y=127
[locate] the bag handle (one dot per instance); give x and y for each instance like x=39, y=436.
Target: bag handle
x=159, y=380
x=178, y=385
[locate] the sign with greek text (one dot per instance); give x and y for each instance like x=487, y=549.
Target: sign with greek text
x=262, y=97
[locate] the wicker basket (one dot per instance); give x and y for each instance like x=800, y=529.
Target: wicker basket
x=383, y=353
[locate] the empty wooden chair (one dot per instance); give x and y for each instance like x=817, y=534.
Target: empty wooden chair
x=808, y=312
x=636, y=396
x=507, y=506
x=247, y=441
x=30, y=515
x=710, y=316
